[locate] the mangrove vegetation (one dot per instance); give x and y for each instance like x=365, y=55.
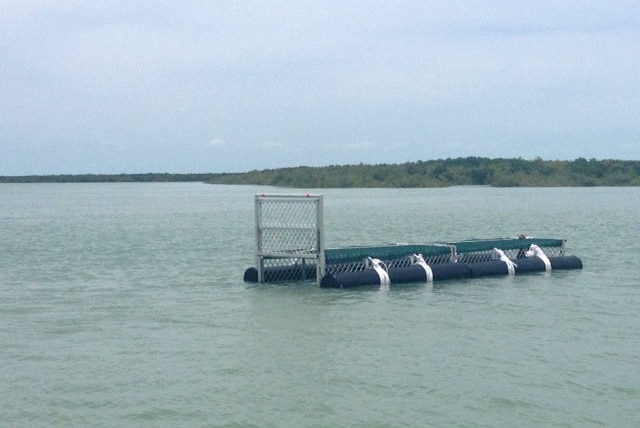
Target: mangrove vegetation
x=448, y=172
x=431, y=173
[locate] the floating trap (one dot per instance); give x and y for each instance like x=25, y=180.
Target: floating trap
x=290, y=247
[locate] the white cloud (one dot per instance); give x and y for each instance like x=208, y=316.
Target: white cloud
x=321, y=81
x=216, y=143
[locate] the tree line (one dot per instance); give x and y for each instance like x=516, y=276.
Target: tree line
x=499, y=172
x=448, y=172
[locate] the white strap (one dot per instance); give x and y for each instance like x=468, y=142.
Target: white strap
x=534, y=250
x=511, y=266
x=381, y=270
x=419, y=260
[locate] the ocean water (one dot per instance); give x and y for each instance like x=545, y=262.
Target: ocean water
x=123, y=305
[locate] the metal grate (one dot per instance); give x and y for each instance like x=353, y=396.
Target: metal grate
x=443, y=255
x=289, y=237
x=452, y=256
x=513, y=253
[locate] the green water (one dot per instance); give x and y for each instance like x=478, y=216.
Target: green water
x=122, y=305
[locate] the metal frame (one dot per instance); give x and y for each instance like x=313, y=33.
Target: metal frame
x=289, y=230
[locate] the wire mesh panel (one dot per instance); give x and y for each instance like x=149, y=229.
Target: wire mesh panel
x=354, y=259
x=482, y=250
x=289, y=238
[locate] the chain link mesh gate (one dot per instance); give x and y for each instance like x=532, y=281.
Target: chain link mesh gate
x=289, y=237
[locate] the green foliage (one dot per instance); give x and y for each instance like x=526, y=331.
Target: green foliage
x=432, y=173
x=449, y=172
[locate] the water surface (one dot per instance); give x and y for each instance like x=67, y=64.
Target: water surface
x=123, y=305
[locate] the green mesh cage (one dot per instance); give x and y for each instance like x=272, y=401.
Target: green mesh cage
x=290, y=247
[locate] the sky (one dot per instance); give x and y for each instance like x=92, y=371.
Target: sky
x=231, y=86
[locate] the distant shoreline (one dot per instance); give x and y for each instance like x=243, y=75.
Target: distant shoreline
x=421, y=174
x=108, y=178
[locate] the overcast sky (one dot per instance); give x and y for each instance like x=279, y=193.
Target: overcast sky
x=226, y=86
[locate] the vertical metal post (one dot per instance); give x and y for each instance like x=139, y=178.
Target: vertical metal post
x=258, y=216
x=320, y=263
